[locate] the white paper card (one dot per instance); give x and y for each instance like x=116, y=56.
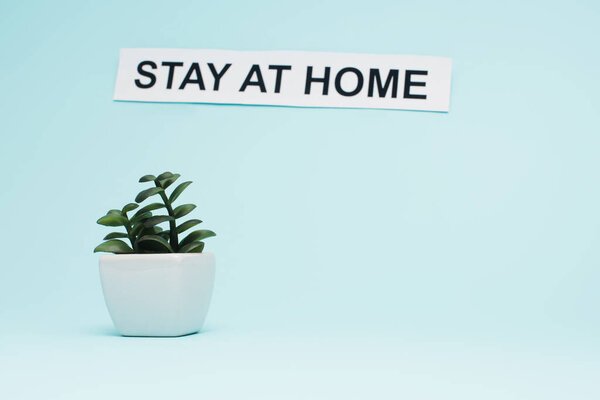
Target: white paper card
x=285, y=78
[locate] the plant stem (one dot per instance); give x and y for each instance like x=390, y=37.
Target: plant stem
x=131, y=239
x=128, y=229
x=174, y=240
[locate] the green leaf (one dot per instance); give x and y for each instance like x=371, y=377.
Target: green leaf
x=183, y=210
x=147, y=178
x=187, y=225
x=165, y=234
x=129, y=207
x=114, y=212
x=115, y=235
x=194, y=247
x=114, y=246
x=153, y=230
x=140, y=217
x=137, y=229
x=157, y=220
x=149, y=207
x=144, y=194
x=197, y=235
x=112, y=220
x=155, y=243
x=164, y=175
x=165, y=183
x=177, y=191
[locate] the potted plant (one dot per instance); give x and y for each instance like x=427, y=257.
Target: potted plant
x=157, y=284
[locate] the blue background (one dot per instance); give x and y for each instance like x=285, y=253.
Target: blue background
x=360, y=253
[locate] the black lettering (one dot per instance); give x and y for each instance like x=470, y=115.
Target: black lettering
x=171, y=66
x=194, y=69
x=217, y=75
x=324, y=80
x=279, y=69
x=147, y=74
x=359, y=83
x=408, y=83
x=392, y=79
x=259, y=82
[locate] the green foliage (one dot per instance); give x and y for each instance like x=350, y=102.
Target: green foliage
x=143, y=230
x=183, y=210
x=114, y=246
x=187, y=225
x=197, y=236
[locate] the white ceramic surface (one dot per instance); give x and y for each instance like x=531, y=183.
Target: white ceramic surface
x=157, y=294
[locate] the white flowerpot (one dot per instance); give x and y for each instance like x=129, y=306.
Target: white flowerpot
x=157, y=294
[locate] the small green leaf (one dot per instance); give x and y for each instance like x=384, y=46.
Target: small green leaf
x=147, y=178
x=149, y=207
x=114, y=246
x=157, y=220
x=112, y=220
x=140, y=217
x=197, y=235
x=165, y=183
x=115, y=235
x=177, y=191
x=114, y=212
x=153, y=230
x=194, y=247
x=129, y=207
x=137, y=229
x=144, y=194
x=183, y=210
x=155, y=243
x=187, y=225
x=164, y=175
x=165, y=234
